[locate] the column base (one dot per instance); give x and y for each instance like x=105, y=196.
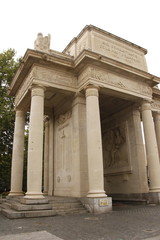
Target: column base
x=154, y=190
x=34, y=195
x=45, y=193
x=97, y=204
x=94, y=194
x=16, y=194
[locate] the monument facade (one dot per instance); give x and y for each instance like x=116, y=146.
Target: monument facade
x=87, y=106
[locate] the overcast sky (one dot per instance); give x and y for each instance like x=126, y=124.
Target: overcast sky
x=135, y=20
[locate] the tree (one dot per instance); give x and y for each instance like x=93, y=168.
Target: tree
x=8, y=67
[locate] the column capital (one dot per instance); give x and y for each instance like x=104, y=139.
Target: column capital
x=37, y=90
x=92, y=90
x=146, y=104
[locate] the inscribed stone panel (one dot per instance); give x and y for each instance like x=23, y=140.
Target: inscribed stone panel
x=63, y=161
x=119, y=51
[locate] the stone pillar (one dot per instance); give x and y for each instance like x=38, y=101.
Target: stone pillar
x=18, y=155
x=151, y=147
x=51, y=157
x=94, y=144
x=46, y=156
x=35, y=144
x=156, y=116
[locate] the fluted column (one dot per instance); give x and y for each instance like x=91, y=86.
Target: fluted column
x=156, y=116
x=151, y=147
x=94, y=143
x=46, y=155
x=18, y=155
x=35, y=144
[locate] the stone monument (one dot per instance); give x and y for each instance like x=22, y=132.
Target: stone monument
x=93, y=100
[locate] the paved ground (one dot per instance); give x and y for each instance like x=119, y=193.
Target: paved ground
x=124, y=223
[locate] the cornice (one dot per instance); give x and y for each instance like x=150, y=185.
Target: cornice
x=87, y=57
x=40, y=58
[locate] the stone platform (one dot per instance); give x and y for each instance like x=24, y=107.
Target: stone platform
x=19, y=207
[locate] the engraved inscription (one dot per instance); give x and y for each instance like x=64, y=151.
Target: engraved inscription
x=103, y=202
x=119, y=51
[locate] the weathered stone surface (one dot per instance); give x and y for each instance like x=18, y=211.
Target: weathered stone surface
x=40, y=235
x=95, y=95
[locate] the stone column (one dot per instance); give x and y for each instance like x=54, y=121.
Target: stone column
x=156, y=116
x=46, y=156
x=18, y=155
x=35, y=144
x=151, y=147
x=94, y=144
x=51, y=157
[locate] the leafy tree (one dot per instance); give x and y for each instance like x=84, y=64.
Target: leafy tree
x=8, y=67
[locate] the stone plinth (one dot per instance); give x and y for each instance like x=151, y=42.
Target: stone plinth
x=97, y=205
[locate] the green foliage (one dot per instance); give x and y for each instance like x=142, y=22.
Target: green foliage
x=8, y=67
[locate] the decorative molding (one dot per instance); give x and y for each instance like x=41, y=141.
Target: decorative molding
x=146, y=104
x=37, y=91
x=24, y=88
x=155, y=104
x=92, y=90
x=50, y=76
x=115, y=80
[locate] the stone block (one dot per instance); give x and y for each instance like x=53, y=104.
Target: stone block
x=12, y=214
x=154, y=197
x=30, y=207
x=34, y=201
x=97, y=205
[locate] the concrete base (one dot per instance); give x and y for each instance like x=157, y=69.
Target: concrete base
x=97, y=205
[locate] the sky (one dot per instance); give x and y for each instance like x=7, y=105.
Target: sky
x=137, y=21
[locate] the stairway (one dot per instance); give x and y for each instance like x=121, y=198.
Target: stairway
x=67, y=205
x=18, y=207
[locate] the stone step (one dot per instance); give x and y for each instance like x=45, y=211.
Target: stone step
x=66, y=205
x=12, y=214
x=71, y=211
x=62, y=199
x=5, y=205
x=23, y=207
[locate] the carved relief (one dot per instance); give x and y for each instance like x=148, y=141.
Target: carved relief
x=115, y=153
x=155, y=104
x=64, y=117
x=119, y=51
x=102, y=76
x=55, y=76
x=63, y=159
